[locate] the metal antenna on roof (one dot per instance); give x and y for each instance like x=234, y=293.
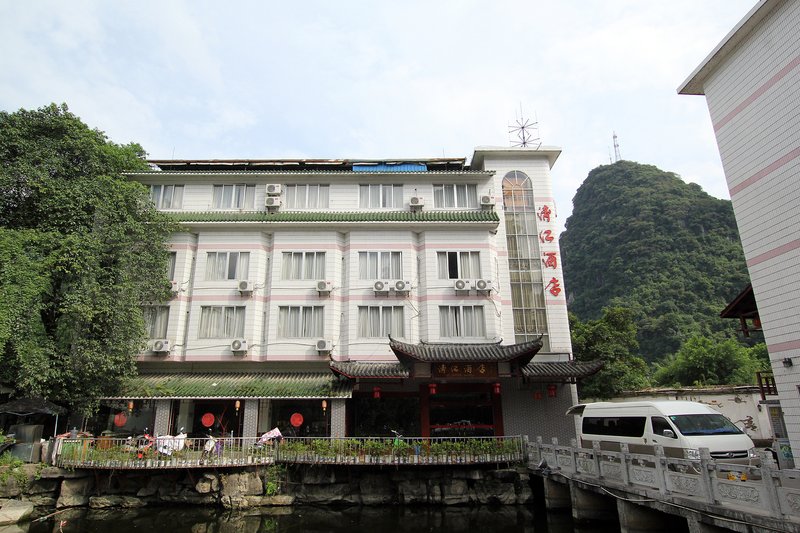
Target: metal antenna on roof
x=527, y=132
x=617, y=157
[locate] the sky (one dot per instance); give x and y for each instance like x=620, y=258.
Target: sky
x=355, y=79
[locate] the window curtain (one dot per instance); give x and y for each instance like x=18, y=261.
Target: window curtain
x=290, y=195
x=442, y=265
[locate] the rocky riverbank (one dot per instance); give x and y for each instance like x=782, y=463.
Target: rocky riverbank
x=266, y=486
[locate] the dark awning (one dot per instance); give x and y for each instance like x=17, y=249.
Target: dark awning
x=424, y=352
x=354, y=369
x=561, y=370
x=274, y=385
x=31, y=406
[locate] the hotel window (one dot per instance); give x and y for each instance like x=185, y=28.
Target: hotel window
x=301, y=322
x=227, y=265
x=303, y=265
x=221, y=322
x=380, y=321
x=458, y=265
x=173, y=257
x=461, y=321
x=156, y=319
x=307, y=196
x=378, y=195
x=383, y=265
x=238, y=196
x=462, y=195
x=167, y=196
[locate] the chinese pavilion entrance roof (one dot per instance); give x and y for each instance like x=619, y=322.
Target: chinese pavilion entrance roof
x=423, y=352
x=561, y=370
x=355, y=369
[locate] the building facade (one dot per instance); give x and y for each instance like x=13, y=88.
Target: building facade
x=356, y=298
x=751, y=82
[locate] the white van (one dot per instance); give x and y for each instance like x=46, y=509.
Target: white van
x=681, y=427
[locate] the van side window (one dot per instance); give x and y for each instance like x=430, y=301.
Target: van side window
x=659, y=425
x=619, y=426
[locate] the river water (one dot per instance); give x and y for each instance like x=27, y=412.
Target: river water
x=300, y=519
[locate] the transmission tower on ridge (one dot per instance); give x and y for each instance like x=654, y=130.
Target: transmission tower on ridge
x=527, y=132
x=617, y=157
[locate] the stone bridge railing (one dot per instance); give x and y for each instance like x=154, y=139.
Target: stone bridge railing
x=759, y=490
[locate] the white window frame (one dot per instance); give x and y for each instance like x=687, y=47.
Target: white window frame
x=307, y=196
x=301, y=322
x=234, y=196
x=231, y=268
x=171, y=262
x=156, y=320
x=383, y=265
x=462, y=321
x=303, y=266
x=167, y=196
x=466, y=264
x=381, y=321
x=455, y=196
x=380, y=196
x=222, y=322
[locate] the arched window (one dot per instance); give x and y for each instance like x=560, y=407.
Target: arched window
x=524, y=261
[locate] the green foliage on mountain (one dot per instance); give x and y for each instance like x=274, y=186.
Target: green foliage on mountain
x=81, y=250
x=611, y=339
x=703, y=362
x=643, y=239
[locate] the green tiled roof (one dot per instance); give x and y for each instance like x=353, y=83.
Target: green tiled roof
x=242, y=385
x=356, y=369
x=336, y=216
x=464, y=352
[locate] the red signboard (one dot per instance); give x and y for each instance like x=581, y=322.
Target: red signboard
x=465, y=370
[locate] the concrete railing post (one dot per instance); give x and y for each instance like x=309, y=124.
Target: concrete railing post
x=596, y=452
x=708, y=469
x=768, y=472
x=661, y=470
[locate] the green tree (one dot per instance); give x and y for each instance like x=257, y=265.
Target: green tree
x=611, y=339
x=703, y=361
x=81, y=250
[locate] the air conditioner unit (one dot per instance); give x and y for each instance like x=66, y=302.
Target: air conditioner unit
x=239, y=346
x=416, y=202
x=484, y=285
x=160, y=346
x=462, y=284
x=274, y=189
x=402, y=286
x=324, y=286
x=324, y=345
x=487, y=200
x=272, y=201
x=244, y=286
x=381, y=286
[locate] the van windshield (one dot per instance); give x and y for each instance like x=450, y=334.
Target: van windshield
x=705, y=424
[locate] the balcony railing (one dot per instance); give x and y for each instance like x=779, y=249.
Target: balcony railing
x=166, y=453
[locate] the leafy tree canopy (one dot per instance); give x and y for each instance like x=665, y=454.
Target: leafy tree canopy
x=81, y=249
x=611, y=339
x=643, y=239
x=703, y=361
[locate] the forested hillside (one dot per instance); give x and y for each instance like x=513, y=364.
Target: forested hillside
x=643, y=239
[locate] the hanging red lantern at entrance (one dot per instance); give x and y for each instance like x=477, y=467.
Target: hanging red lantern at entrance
x=431, y=388
x=537, y=395
x=496, y=389
x=376, y=393
x=551, y=391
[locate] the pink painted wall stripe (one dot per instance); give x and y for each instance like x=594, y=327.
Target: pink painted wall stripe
x=784, y=346
x=758, y=92
x=766, y=171
x=775, y=252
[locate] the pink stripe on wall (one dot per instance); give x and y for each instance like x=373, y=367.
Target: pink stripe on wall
x=766, y=171
x=758, y=92
x=775, y=252
x=784, y=346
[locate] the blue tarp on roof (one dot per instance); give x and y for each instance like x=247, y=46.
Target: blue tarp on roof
x=391, y=167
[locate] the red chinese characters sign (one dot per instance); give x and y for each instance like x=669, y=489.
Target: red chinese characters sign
x=465, y=370
x=550, y=260
x=546, y=236
x=554, y=287
x=544, y=213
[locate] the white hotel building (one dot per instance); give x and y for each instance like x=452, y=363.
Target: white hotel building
x=751, y=82
x=353, y=297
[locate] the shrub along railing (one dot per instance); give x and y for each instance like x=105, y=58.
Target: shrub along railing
x=107, y=453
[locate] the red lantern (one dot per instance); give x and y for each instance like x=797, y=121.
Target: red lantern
x=496, y=389
x=551, y=391
x=376, y=393
x=431, y=388
x=537, y=395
